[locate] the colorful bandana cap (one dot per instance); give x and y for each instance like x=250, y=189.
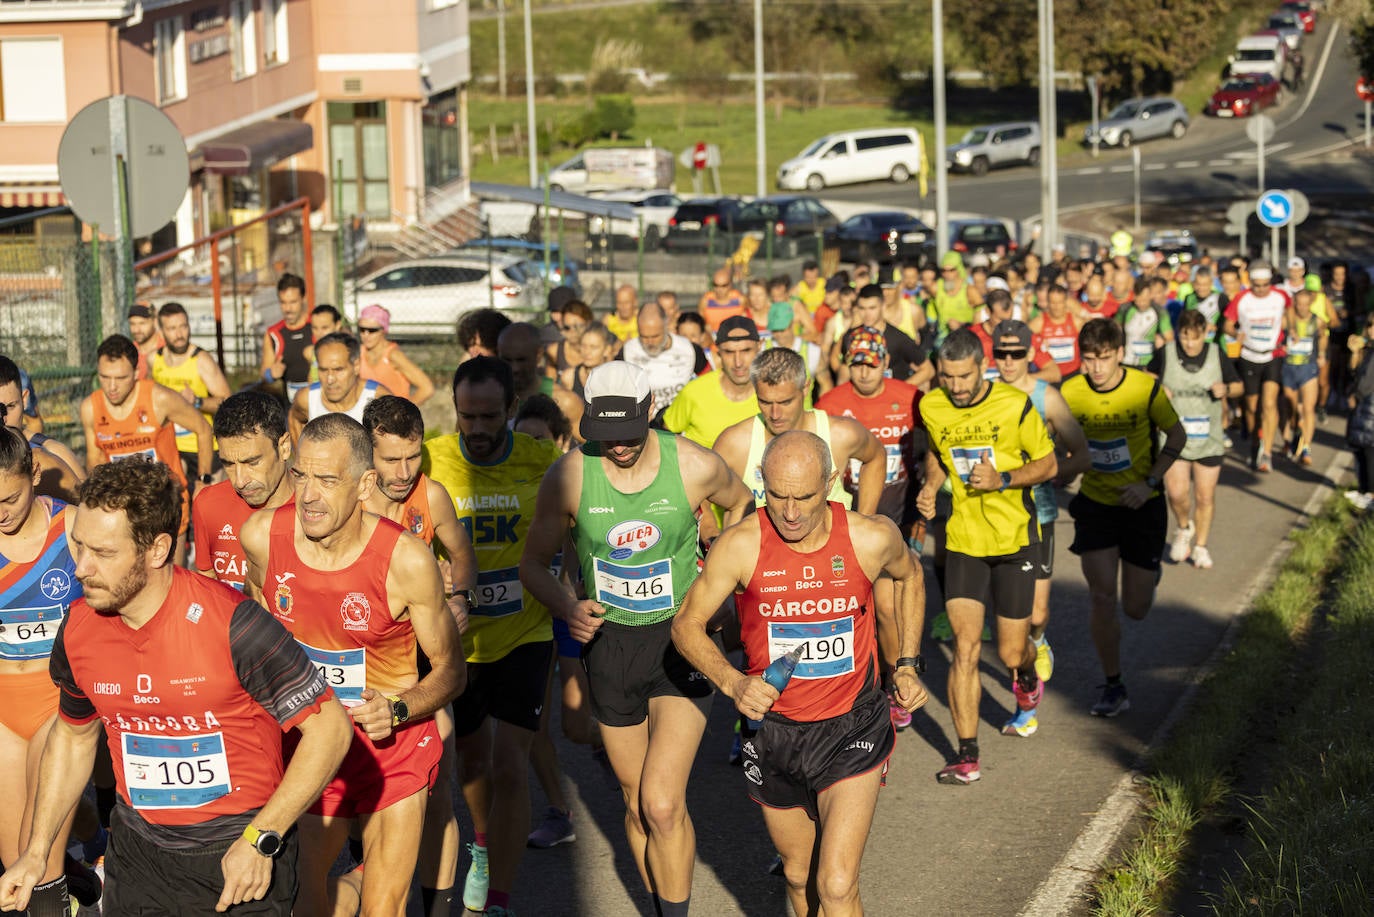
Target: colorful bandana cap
x=866, y=346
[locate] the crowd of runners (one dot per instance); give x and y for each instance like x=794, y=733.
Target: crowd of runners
x=251, y=640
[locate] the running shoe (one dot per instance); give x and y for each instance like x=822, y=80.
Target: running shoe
x=1305, y=456
x=1023, y=724
x=555, y=829
x=1202, y=558
x=901, y=717
x=963, y=771
x=1227, y=441
x=1182, y=544
x=1044, y=659
x=1112, y=701
x=1263, y=462
x=478, y=881
x=1359, y=500
x=1321, y=414
x=940, y=629
x=1028, y=700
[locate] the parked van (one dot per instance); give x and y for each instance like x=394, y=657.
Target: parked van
x=637, y=168
x=892, y=153
x=1260, y=54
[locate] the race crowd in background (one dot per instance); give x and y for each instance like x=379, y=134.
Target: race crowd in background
x=251, y=638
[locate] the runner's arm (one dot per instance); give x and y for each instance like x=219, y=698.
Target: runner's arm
x=868, y=450
x=415, y=576
x=422, y=386
x=716, y=481
x=214, y=380
x=299, y=415
x=178, y=410
x=462, y=560
x=94, y=456
x=554, y=511
x=1068, y=436
x=909, y=599
x=934, y=479
x=63, y=453
x=254, y=537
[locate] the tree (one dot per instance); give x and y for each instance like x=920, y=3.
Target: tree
x=1362, y=45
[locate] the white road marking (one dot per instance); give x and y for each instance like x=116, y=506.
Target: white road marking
x=1093, y=171
x=1186, y=164
x=1218, y=162
x=1121, y=169
x=1154, y=167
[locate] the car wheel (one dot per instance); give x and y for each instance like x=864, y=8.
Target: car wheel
x=555, y=187
x=900, y=174
x=814, y=182
x=1033, y=158
x=1177, y=130
x=979, y=166
x=1125, y=141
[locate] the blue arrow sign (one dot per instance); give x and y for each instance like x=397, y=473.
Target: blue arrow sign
x=1274, y=209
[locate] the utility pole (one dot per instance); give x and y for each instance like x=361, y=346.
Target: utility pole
x=937, y=75
x=760, y=144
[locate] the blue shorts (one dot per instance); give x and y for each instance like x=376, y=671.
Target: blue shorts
x=1296, y=376
x=567, y=647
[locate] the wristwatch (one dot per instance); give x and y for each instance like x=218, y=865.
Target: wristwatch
x=199, y=402
x=267, y=843
x=1152, y=482
x=207, y=479
x=1006, y=480
x=917, y=662
x=400, y=711
x=467, y=595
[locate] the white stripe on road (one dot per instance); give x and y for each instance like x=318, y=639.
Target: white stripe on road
x=1094, y=171
x=1218, y=162
x=1316, y=78
x=1154, y=167
x=1186, y=164
x=1122, y=168
x=1063, y=890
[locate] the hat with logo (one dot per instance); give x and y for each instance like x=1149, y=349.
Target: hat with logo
x=866, y=347
x=1011, y=328
x=618, y=401
x=737, y=328
x=140, y=310
x=1296, y=262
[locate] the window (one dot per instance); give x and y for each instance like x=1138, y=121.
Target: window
x=169, y=53
x=441, y=4
x=275, y=47
x=881, y=141
x=243, y=38
x=33, y=86
x=839, y=149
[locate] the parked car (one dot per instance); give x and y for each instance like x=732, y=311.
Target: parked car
x=995, y=145
x=1289, y=27
x=882, y=235
x=1140, y=119
x=696, y=222
x=656, y=208
x=561, y=272
x=792, y=220
x=1261, y=53
x=887, y=153
x=614, y=169
x=1176, y=245
x=981, y=237
x=1304, y=11
x=427, y=295
x=1241, y=96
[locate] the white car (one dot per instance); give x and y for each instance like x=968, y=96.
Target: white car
x=426, y=296
x=654, y=208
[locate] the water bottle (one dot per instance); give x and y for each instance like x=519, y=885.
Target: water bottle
x=779, y=671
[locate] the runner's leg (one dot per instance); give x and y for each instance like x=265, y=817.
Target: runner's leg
x=1100, y=571
x=509, y=823
x=794, y=836
x=1205, y=492
x=1270, y=413
x=437, y=868
x=965, y=687
x=321, y=838
x=846, y=817
x=391, y=844
x=675, y=728
x=627, y=747
x=1177, y=481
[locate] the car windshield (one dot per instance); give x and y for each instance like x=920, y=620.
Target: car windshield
x=758, y=210
x=885, y=221
x=811, y=148
x=1238, y=86
x=1281, y=21
x=1125, y=110
x=976, y=136
x=1255, y=54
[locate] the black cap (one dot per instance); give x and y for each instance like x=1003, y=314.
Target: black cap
x=560, y=297
x=140, y=310
x=1012, y=328
x=737, y=328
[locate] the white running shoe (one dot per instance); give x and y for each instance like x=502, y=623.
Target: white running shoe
x=1183, y=543
x=1202, y=558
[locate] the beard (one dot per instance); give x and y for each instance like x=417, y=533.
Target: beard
x=120, y=593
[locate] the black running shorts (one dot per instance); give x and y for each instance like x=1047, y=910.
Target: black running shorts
x=788, y=764
x=1255, y=375
x=1004, y=585
x=511, y=689
x=1139, y=534
x=1044, y=551
x=628, y=665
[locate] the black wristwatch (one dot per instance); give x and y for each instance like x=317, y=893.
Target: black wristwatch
x=400, y=712
x=917, y=662
x=1152, y=482
x=1006, y=480
x=267, y=843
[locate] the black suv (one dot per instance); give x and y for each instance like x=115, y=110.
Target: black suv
x=794, y=220
x=689, y=229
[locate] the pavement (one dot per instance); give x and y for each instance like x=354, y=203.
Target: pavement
x=985, y=849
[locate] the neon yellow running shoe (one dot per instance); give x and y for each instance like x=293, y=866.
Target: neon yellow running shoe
x=1044, y=659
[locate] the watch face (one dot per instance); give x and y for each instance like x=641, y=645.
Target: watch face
x=401, y=710
x=269, y=843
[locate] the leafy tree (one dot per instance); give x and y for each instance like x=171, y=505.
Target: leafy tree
x=1362, y=45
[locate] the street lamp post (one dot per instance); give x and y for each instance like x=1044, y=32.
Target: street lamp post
x=529, y=96
x=760, y=146
x=937, y=75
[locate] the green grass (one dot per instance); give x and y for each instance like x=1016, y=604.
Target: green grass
x=1190, y=774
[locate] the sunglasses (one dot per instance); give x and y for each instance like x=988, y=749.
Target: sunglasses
x=999, y=354
x=362, y=330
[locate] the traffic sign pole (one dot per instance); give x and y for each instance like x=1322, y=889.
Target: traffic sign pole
x=119, y=187
x=1259, y=159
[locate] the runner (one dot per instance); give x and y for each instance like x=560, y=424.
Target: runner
x=1198, y=377
x=59, y=471
x=1056, y=329
x=491, y=477
x=423, y=507
x=710, y=403
x=518, y=348
x=37, y=584
x=1255, y=317
x=629, y=497
x=999, y=310
x=1306, y=336
x=820, y=756
x=189, y=371
x=1145, y=323
x=285, y=346
x=1118, y=514
x=623, y=318
x=1204, y=297
x=478, y=332
x=341, y=389
x=720, y=302
x=1071, y=456
x=990, y=438
x=205, y=815
x=384, y=361
x=669, y=359
x=255, y=451
x=127, y=417
x=908, y=362
x=359, y=594
x=143, y=331
x=596, y=345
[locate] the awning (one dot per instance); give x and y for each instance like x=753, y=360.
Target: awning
x=18, y=195
x=560, y=200
x=255, y=146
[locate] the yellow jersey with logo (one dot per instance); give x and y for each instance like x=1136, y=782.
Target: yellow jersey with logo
x=1120, y=425
x=1005, y=428
x=184, y=375
x=494, y=501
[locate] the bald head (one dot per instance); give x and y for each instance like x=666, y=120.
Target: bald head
x=651, y=315
x=799, y=452
x=721, y=278
x=518, y=347
x=626, y=300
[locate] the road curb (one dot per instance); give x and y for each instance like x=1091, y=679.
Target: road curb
x=1063, y=889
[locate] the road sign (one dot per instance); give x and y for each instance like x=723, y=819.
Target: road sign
x=1260, y=129
x=699, y=156
x=1274, y=209
x=1239, y=212
x=688, y=157
x=134, y=132
x=1364, y=88
x=1301, y=207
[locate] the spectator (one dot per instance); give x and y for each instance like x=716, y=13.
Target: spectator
x=478, y=332
x=693, y=327
x=286, y=356
x=623, y=321
x=595, y=346
x=559, y=357
x=384, y=361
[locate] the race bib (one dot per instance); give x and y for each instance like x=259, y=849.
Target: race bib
x=642, y=589
x=828, y=646
x=1109, y=455
x=28, y=633
x=182, y=772
x=965, y=457
x=499, y=593
x=1060, y=350
x=1261, y=336
x=1143, y=350
x=345, y=671
x=150, y=454
x=1300, y=346
x=1197, y=427
x=895, y=469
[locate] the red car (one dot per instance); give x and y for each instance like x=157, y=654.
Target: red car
x=1303, y=10
x=1241, y=96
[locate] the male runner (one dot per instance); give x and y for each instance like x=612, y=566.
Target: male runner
x=59, y=470
x=907, y=362
x=628, y=497
x=492, y=477
x=341, y=389
x=988, y=441
x=1119, y=516
x=189, y=371
x=286, y=345
x=669, y=359
x=205, y=808
x=254, y=451
x=143, y=330
x=1255, y=317
x=359, y=594
x=1056, y=330
x=1012, y=353
x=711, y=402
x=819, y=757
x=422, y=507
x=518, y=347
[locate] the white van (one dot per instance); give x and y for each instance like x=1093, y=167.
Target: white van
x=892, y=153
x=1260, y=54
x=614, y=169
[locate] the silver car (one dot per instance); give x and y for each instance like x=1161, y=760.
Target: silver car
x=1016, y=143
x=425, y=296
x=1140, y=119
